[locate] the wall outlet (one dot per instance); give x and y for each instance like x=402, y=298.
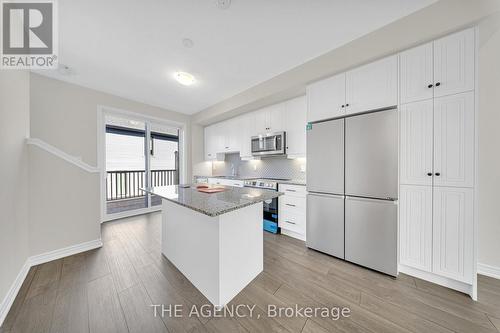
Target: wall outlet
x=302, y=168
x=255, y=167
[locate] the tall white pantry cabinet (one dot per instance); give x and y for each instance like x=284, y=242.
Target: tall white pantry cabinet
x=437, y=161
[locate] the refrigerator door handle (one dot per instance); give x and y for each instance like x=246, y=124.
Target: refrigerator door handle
x=327, y=195
x=350, y=197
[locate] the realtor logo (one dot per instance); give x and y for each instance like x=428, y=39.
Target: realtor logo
x=29, y=38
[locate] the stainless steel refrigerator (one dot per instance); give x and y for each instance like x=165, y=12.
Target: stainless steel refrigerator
x=352, y=177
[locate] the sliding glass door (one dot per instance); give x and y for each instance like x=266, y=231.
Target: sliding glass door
x=164, y=158
x=138, y=154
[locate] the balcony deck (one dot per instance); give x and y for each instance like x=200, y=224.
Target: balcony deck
x=118, y=206
x=123, y=188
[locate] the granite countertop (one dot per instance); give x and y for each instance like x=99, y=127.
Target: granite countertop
x=213, y=204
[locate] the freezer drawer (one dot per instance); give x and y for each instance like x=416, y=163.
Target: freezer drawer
x=371, y=155
x=325, y=223
x=371, y=234
x=325, y=157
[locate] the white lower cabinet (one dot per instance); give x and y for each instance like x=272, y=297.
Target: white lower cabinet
x=453, y=231
x=292, y=210
x=415, y=229
x=436, y=230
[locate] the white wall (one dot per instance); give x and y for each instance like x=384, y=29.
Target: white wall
x=489, y=142
x=14, y=128
x=433, y=21
x=436, y=20
x=65, y=116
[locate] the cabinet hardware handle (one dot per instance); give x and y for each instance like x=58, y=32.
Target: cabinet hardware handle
x=429, y=173
x=438, y=84
x=290, y=205
x=343, y=106
x=290, y=190
x=290, y=222
x=438, y=174
x=347, y=105
x=430, y=86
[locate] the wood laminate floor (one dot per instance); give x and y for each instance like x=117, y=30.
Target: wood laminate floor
x=112, y=289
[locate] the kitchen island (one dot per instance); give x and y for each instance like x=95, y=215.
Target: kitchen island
x=214, y=239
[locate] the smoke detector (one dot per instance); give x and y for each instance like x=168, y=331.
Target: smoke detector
x=188, y=43
x=223, y=4
x=64, y=69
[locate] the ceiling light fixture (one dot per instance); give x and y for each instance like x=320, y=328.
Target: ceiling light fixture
x=223, y=4
x=184, y=78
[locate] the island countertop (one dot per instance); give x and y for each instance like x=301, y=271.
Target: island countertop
x=213, y=204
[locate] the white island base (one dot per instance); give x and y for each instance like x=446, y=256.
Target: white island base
x=219, y=255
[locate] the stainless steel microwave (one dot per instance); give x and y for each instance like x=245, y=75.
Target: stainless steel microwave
x=268, y=144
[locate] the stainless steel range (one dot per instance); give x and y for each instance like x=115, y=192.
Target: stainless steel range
x=262, y=183
x=270, y=215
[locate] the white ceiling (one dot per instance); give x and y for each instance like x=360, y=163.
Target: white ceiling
x=132, y=48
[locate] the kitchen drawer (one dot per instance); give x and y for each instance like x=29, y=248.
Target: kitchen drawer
x=295, y=190
x=292, y=222
x=293, y=204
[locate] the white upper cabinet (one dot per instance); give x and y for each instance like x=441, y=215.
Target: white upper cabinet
x=326, y=98
x=230, y=130
x=246, y=130
x=454, y=140
x=261, y=121
x=214, y=141
x=277, y=117
x=453, y=231
x=219, y=141
x=416, y=143
x=209, y=149
x=372, y=86
x=454, y=63
x=416, y=74
x=295, y=126
x=223, y=137
x=415, y=227
x=234, y=135
x=270, y=119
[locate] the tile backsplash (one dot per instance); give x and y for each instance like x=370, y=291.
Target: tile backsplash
x=271, y=167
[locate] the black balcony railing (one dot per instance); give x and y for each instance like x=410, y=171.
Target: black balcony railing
x=126, y=184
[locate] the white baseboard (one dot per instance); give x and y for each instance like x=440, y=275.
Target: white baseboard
x=488, y=270
x=37, y=260
x=64, y=252
x=12, y=293
x=293, y=234
x=437, y=279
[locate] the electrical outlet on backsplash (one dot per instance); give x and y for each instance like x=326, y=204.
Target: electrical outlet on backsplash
x=271, y=167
